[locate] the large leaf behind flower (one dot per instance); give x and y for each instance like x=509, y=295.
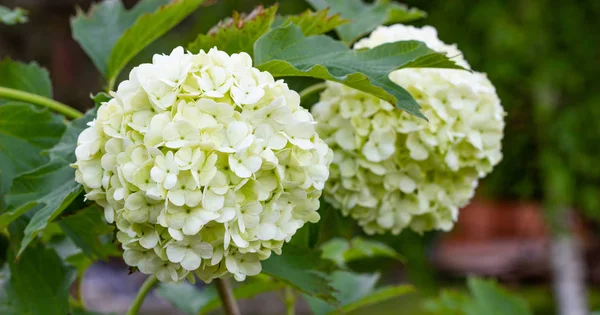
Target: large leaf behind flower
x=49, y=189
x=238, y=33
x=99, y=30
x=286, y=51
x=316, y=23
x=365, y=17
x=146, y=30
x=112, y=35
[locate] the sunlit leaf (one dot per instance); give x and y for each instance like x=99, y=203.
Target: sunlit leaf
x=238, y=33
x=316, y=23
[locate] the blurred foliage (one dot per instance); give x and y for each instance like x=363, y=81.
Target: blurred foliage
x=486, y=297
x=542, y=57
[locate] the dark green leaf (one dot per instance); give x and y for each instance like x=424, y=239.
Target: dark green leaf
x=238, y=33
x=49, y=189
x=365, y=17
x=21, y=141
x=65, y=148
x=299, y=268
x=99, y=30
x=39, y=282
x=316, y=23
x=25, y=77
x=86, y=228
x=145, y=30
x=285, y=51
x=12, y=17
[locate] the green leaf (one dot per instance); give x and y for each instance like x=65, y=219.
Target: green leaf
x=49, y=189
x=299, y=267
x=355, y=291
x=25, y=77
x=349, y=287
x=12, y=17
x=87, y=228
x=342, y=251
x=381, y=295
x=39, y=282
x=146, y=29
x=285, y=51
x=238, y=33
x=365, y=17
x=486, y=297
x=316, y=23
x=99, y=30
x=65, y=148
x=21, y=141
x=191, y=300
x=489, y=298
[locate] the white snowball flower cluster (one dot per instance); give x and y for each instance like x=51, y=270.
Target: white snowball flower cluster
x=393, y=171
x=205, y=164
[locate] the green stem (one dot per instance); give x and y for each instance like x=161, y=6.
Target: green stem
x=41, y=101
x=139, y=299
x=227, y=299
x=111, y=84
x=290, y=301
x=311, y=89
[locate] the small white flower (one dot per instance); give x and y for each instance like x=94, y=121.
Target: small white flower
x=189, y=252
x=165, y=170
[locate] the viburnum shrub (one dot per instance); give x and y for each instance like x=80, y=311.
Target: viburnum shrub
x=205, y=162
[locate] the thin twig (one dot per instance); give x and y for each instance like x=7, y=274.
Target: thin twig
x=227, y=298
